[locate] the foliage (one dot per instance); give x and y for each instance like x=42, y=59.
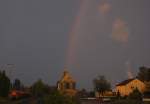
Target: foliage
x=39, y=88
x=101, y=84
x=57, y=98
x=144, y=74
x=4, y=84
x=134, y=98
x=135, y=95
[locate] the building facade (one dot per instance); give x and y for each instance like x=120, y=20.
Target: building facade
x=126, y=87
x=67, y=85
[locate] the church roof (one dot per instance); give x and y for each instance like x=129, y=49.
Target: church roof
x=125, y=82
x=66, y=77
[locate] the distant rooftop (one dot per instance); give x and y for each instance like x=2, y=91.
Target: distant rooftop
x=125, y=82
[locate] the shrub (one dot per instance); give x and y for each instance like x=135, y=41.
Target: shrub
x=57, y=98
x=135, y=95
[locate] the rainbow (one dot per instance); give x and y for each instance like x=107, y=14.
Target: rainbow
x=73, y=35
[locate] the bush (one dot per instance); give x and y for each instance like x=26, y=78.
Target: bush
x=57, y=98
x=135, y=95
x=39, y=89
x=134, y=98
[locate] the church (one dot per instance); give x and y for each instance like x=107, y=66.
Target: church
x=67, y=85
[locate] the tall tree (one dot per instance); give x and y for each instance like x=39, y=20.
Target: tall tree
x=4, y=84
x=144, y=73
x=39, y=88
x=101, y=85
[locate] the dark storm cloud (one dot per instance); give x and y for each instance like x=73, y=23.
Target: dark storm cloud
x=34, y=35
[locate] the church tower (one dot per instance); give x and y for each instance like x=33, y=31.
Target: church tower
x=67, y=85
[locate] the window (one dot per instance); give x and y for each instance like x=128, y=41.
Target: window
x=67, y=86
x=132, y=87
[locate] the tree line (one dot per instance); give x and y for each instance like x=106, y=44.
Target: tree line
x=42, y=91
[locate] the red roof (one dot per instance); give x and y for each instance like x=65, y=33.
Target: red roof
x=17, y=93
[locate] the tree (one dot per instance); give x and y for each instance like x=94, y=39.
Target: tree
x=39, y=88
x=135, y=95
x=101, y=85
x=4, y=84
x=144, y=73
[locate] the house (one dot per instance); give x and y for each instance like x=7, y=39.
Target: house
x=67, y=84
x=126, y=87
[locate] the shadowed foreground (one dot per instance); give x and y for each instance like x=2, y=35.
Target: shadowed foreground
x=92, y=102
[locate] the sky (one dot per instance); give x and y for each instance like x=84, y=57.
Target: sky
x=39, y=38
